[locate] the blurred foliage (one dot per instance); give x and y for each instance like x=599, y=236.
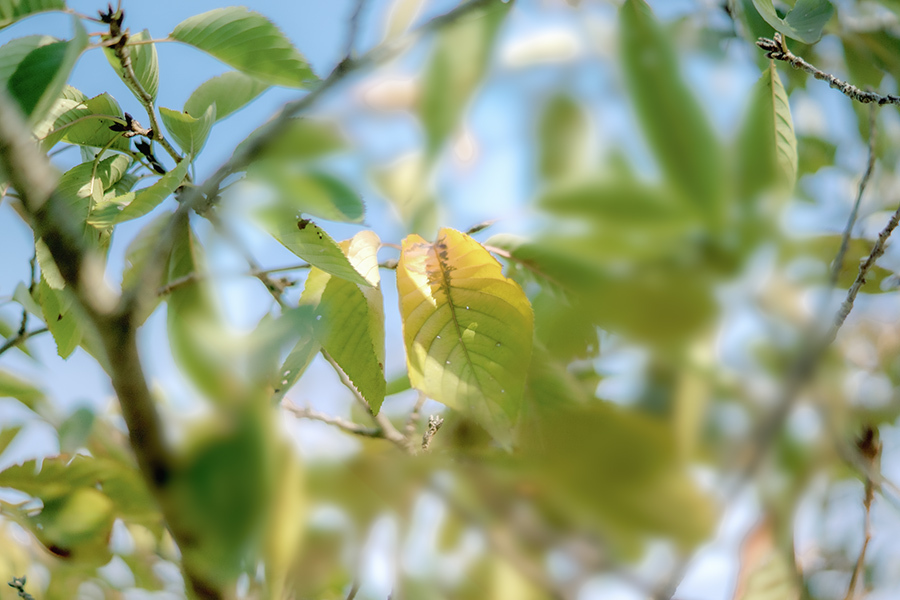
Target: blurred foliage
x=606, y=363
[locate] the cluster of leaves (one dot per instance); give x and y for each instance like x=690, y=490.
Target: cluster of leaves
x=508, y=350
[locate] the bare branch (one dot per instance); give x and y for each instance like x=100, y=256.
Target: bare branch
x=870, y=450
x=777, y=49
x=20, y=338
x=434, y=424
x=412, y=421
x=353, y=28
x=343, y=424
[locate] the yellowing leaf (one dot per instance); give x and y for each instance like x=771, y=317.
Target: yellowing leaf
x=467, y=329
x=350, y=317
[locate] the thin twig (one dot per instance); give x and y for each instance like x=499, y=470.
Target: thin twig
x=354, y=589
x=353, y=28
x=434, y=424
x=869, y=448
x=777, y=49
x=18, y=583
x=21, y=337
x=838, y=264
x=412, y=422
x=343, y=424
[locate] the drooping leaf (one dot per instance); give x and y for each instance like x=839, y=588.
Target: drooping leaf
x=295, y=365
x=804, y=22
x=11, y=386
x=467, y=329
x=768, y=146
x=310, y=242
x=458, y=63
x=139, y=203
x=144, y=62
x=229, y=92
x=42, y=74
x=673, y=122
x=189, y=132
x=350, y=317
x=564, y=136
x=249, y=42
x=87, y=123
x=310, y=191
x=13, y=10
x=14, y=52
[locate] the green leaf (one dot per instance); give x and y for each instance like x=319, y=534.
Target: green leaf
x=138, y=252
x=49, y=270
x=673, y=122
x=144, y=62
x=11, y=386
x=298, y=140
x=310, y=242
x=228, y=92
x=74, y=431
x=14, y=52
x=295, y=365
x=42, y=74
x=804, y=22
x=64, y=324
x=189, y=133
x=23, y=297
x=457, y=64
x=564, y=135
x=84, y=124
x=310, y=192
x=13, y=10
x=350, y=317
x=767, y=144
x=139, y=203
x=467, y=329
x=249, y=42
x=8, y=434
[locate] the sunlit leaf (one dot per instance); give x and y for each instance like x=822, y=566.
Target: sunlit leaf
x=189, y=132
x=249, y=42
x=672, y=120
x=457, y=64
x=144, y=62
x=310, y=242
x=310, y=192
x=466, y=327
x=42, y=74
x=768, y=146
x=295, y=365
x=82, y=124
x=139, y=203
x=804, y=22
x=350, y=317
x=229, y=92
x=13, y=10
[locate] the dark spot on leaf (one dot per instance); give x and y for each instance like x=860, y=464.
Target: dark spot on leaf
x=301, y=225
x=59, y=317
x=61, y=552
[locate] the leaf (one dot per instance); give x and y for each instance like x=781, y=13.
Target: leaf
x=144, y=62
x=457, y=64
x=11, y=386
x=765, y=572
x=228, y=92
x=7, y=435
x=310, y=192
x=249, y=42
x=138, y=252
x=139, y=203
x=188, y=132
x=63, y=324
x=467, y=329
x=42, y=74
x=672, y=120
x=74, y=431
x=564, y=137
x=298, y=140
x=310, y=242
x=767, y=144
x=81, y=124
x=295, y=365
x=14, y=52
x=804, y=22
x=350, y=317
x=13, y=10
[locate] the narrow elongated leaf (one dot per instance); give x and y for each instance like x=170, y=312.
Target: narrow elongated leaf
x=87, y=123
x=673, y=122
x=190, y=133
x=768, y=146
x=467, y=329
x=229, y=92
x=42, y=74
x=350, y=317
x=139, y=203
x=13, y=10
x=310, y=242
x=805, y=22
x=64, y=325
x=295, y=365
x=457, y=65
x=310, y=191
x=249, y=42
x=14, y=52
x=144, y=62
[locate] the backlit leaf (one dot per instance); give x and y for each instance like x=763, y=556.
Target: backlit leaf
x=139, y=203
x=64, y=324
x=249, y=42
x=144, y=62
x=189, y=132
x=804, y=22
x=466, y=327
x=83, y=124
x=229, y=92
x=13, y=10
x=295, y=365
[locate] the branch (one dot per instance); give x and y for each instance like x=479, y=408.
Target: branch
x=21, y=337
x=353, y=28
x=434, y=424
x=870, y=448
x=777, y=49
x=343, y=424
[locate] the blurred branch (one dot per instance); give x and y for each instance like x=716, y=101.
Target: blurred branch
x=343, y=424
x=353, y=28
x=434, y=424
x=838, y=264
x=412, y=422
x=18, y=584
x=869, y=448
x=21, y=337
x=777, y=49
